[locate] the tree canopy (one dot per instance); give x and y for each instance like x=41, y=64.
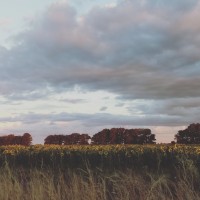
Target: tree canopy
x=124, y=136
x=74, y=138
x=191, y=135
x=11, y=139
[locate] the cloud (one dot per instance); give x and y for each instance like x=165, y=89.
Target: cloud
x=103, y=108
x=145, y=50
x=29, y=96
x=137, y=53
x=73, y=101
x=183, y=111
x=121, y=104
x=42, y=125
x=99, y=119
x=5, y=21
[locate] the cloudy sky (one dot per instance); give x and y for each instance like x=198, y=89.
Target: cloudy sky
x=81, y=66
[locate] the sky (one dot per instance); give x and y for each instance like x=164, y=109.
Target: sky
x=82, y=66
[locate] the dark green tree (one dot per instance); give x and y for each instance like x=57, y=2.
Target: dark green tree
x=26, y=139
x=191, y=135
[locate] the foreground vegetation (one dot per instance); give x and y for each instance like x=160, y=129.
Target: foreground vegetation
x=34, y=184
x=107, y=157
x=103, y=172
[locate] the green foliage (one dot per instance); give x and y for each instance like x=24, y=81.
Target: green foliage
x=191, y=135
x=106, y=157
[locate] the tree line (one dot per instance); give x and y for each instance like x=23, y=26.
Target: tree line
x=191, y=135
x=106, y=136
x=25, y=139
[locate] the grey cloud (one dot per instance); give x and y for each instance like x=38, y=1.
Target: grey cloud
x=176, y=5
x=40, y=125
x=187, y=108
x=103, y=108
x=120, y=104
x=28, y=96
x=137, y=53
x=73, y=101
x=102, y=119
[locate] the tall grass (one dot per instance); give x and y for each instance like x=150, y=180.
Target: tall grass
x=90, y=184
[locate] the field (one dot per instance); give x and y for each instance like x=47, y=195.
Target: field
x=100, y=172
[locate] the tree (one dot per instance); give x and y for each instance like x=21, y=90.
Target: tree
x=76, y=138
x=11, y=139
x=54, y=139
x=139, y=136
x=102, y=137
x=191, y=135
x=117, y=135
x=84, y=139
x=124, y=136
x=26, y=139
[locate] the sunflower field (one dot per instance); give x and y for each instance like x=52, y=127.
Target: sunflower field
x=106, y=157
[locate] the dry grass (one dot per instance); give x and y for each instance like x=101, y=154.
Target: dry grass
x=36, y=184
